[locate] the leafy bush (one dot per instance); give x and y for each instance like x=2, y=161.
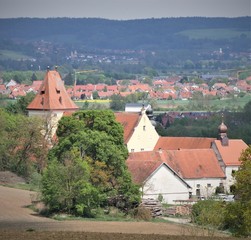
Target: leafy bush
x=237, y=218
x=208, y=213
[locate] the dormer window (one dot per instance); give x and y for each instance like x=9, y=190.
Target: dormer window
x=58, y=91
x=42, y=92
x=60, y=99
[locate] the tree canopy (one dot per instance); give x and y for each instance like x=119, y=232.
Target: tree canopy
x=22, y=146
x=89, y=165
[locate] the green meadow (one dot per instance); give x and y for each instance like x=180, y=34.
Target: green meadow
x=7, y=54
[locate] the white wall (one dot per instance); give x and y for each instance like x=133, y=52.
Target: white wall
x=229, y=178
x=164, y=182
x=144, y=137
x=51, y=117
x=205, y=189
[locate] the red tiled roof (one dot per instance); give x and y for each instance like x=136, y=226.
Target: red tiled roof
x=142, y=87
x=2, y=87
x=142, y=165
x=102, y=94
x=37, y=82
x=129, y=121
x=188, y=164
x=230, y=154
x=52, y=95
x=113, y=88
x=194, y=163
x=175, y=143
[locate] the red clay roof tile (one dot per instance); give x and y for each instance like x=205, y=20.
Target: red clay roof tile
x=175, y=143
x=129, y=121
x=188, y=164
x=52, y=95
x=230, y=154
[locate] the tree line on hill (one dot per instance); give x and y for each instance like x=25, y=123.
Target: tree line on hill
x=112, y=34
x=166, y=43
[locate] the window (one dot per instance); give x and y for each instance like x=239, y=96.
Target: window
x=142, y=149
x=190, y=195
x=197, y=192
x=144, y=128
x=132, y=150
x=209, y=185
x=198, y=185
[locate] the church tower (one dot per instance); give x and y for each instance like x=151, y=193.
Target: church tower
x=52, y=100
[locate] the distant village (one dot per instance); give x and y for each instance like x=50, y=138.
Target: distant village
x=166, y=88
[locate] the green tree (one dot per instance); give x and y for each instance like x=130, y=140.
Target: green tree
x=69, y=79
x=95, y=95
x=33, y=77
x=247, y=112
x=209, y=213
x=238, y=213
x=117, y=103
x=66, y=186
x=95, y=138
x=23, y=148
x=20, y=106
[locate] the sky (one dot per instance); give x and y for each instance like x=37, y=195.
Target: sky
x=124, y=9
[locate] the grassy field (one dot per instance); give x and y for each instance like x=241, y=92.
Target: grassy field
x=6, y=54
x=213, y=34
x=93, y=103
x=213, y=105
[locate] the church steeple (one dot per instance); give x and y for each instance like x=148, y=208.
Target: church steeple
x=222, y=129
x=52, y=95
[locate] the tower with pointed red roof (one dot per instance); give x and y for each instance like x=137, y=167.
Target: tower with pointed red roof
x=52, y=100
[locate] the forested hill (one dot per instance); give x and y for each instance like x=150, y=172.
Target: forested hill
x=155, y=34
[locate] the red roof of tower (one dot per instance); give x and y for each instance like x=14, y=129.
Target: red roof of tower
x=52, y=95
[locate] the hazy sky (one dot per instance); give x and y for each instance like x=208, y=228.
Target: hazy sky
x=124, y=9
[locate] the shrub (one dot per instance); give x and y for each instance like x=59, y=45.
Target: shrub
x=208, y=213
x=237, y=218
x=142, y=213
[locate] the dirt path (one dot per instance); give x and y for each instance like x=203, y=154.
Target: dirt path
x=15, y=216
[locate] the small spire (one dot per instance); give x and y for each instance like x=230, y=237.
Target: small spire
x=48, y=68
x=143, y=110
x=222, y=127
x=223, y=132
x=56, y=68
